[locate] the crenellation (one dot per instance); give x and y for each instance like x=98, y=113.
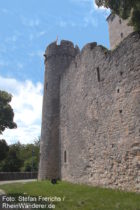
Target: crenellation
x=66, y=43
x=89, y=46
x=66, y=48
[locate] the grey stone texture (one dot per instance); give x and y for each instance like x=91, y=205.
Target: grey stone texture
x=91, y=115
x=118, y=30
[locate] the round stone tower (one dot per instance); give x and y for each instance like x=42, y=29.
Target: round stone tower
x=57, y=60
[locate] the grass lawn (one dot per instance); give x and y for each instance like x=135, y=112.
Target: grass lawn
x=77, y=196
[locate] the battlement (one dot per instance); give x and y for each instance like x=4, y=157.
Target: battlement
x=89, y=46
x=66, y=48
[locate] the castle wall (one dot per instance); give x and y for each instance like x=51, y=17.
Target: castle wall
x=57, y=59
x=100, y=116
x=118, y=30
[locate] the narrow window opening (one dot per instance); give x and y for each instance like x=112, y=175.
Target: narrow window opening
x=121, y=73
x=46, y=85
x=118, y=90
x=65, y=156
x=121, y=35
x=120, y=111
x=98, y=74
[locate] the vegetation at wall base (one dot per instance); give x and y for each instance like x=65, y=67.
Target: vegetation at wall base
x=77, y=196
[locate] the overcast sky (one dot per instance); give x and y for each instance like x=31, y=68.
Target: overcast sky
x=26, y=28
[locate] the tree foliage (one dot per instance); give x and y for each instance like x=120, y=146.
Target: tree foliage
x=125, y=9
x=4, y=148
x=31, y=164
x=12, y=163
x=20, y=157
x=29, y=153
x=6, y=112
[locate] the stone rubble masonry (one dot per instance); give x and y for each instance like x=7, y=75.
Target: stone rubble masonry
x=91, y=114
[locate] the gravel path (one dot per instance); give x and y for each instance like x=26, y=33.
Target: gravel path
x=17, y=181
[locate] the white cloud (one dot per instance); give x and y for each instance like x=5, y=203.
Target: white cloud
x=89, y=19
x=27, y=106
x=101, y=9
x=36, y=35
x=92, y=3
x=33, y=23
x=30, y=22
x=66, y=23
x=92, y=21
x=41, y=33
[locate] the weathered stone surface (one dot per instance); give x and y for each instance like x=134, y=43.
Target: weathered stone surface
x=118, y=30
x=91, y=122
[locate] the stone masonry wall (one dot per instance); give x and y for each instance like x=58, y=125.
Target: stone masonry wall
x=118, y=30
x=99, y=129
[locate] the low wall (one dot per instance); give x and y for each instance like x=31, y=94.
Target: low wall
x=17, y=175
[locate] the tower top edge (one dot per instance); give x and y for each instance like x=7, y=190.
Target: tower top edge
x=65, y=47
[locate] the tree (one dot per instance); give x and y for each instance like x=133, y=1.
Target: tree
x=4, y=148
x=12, y=163
x=30, y=155
x=125, y=9
x=30, y=164
x=19, y=157
x=6, y=112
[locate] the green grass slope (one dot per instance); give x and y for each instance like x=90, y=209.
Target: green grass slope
x=75, y=196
